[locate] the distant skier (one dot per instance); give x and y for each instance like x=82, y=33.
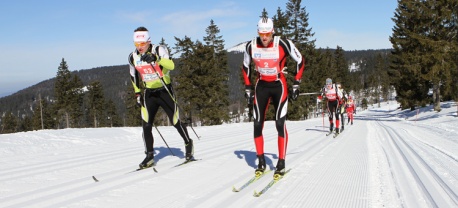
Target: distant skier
x=269, y=53
x=341, y=109
x=351, y=109
x=149, y=69
x=333, y=97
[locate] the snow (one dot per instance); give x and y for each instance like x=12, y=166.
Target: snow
x=388, y=158
x=240, y=48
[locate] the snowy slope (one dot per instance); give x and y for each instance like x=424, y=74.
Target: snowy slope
x=240, y=48
x=388, y=158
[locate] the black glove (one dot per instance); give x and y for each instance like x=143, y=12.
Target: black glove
x=139, y=99
x=295, y=92
x=249, y=95
x=148, y=57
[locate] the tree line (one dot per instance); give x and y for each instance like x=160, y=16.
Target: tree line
x=425, y=51
x=208, y=79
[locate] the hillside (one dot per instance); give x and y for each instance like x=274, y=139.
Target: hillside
x=114, y=79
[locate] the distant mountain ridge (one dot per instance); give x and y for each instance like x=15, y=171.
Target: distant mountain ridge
x=115, y=81
x=5, y=94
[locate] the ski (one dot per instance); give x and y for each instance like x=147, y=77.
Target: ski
x=270, y=184
x=337, y=134
x=139, y=169
x=252, y=180
x=136, y=170
x=329, y=133
x=186, y=162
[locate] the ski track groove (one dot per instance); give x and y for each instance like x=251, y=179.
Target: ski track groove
x=63, y=164
x=270, y=135
x=310, y=148
x=419, y=169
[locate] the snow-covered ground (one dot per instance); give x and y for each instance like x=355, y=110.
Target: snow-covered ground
x=387, y=158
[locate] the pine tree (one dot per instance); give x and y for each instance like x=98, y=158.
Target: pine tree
x=439, y=29
x=341, y=67
x=112, y=116
x=62, y=88
x=203, y=79
x=26, y=124
x=411, y=89
x=424, y=54
x=67, y=90
x=37, y=117
x=186, y=81
x=76, y=102
x=325, y=64
x=299, y=32
x=377, y=80
x=42, y=117
x=96, y=103
x=9, y=123
x=298, y=27
x=280, y=22
x=218, y=75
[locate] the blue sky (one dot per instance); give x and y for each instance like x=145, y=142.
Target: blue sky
x=36, y=35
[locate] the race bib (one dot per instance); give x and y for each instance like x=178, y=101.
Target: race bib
x=268, y=71
x=148, y=73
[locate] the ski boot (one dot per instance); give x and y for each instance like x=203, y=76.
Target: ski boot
x=189, y=151
x=261, y=166
x=280, y=169
x=148, y=161
x=330, y=129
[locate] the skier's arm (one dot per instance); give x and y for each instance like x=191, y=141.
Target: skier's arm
x=246, y=69
x=134, y=75
x=164, y=60
x=295, y=54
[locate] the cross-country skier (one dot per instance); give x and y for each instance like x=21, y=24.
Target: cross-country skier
x=341, y=109
x=333, y=97
x=351, y=109
x=269, y=53
x=149, y=69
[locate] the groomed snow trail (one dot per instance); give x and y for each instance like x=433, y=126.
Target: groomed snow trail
x=387, y=158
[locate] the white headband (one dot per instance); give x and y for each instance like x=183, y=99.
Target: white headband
x=141, y=36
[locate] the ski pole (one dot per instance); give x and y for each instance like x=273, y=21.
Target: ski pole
x=322, y=114
x=163, y=139
x=143, y=107
x=170, y=94
x=195, y=132
x=198, y=137
x=309, y=93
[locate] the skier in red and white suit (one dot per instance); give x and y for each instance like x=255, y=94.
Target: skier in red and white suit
x=268, y=53
x=333, y=97
x=350, y=109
